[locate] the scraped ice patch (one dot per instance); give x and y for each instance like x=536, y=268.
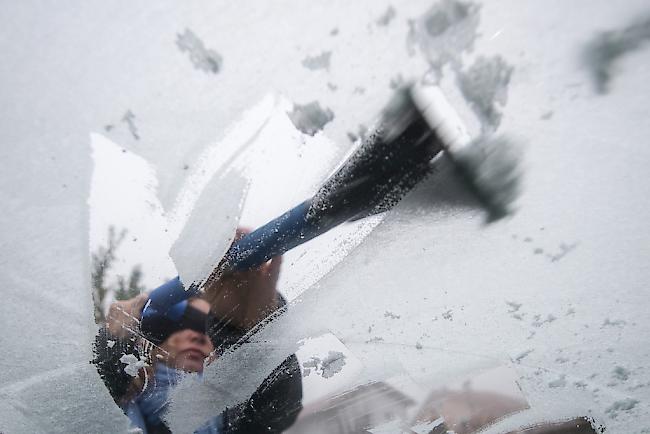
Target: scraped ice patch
x=620, y=373
x=626, y=404
x=133, y=364
x=519, y=357
x=329, y=366
x=564, y=249
x=202, y=58
x=387, y=16
x=316, y=355
x=129, y=119
x=538, y=321
x=391, y=315
x=605, y=49
x=439, y=21
x=613, y=323
x=311, y=117
x=444, y=33
x=210, y=229
x=320, y=61
x=485, y=86
x=332, y=364
x=559, y=382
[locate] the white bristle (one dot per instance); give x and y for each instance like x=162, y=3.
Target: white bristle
x=441, y=116
x=492, y=165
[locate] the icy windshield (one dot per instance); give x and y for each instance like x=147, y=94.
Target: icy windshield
x=375, y=217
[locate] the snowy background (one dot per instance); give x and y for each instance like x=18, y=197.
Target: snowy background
x=558, y=293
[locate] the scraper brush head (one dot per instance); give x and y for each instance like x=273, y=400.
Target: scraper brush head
x=490, y=166
x=415, y=127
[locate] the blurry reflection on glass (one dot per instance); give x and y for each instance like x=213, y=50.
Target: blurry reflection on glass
x=141, y=361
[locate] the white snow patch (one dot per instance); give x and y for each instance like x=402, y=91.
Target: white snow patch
x=133, y=364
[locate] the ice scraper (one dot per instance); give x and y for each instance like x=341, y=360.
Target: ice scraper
x=416, y=127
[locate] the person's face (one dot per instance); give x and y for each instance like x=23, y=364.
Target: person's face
x=187, y=349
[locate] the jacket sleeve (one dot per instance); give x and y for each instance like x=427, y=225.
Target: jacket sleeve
x=276, y=403
x=273, y=407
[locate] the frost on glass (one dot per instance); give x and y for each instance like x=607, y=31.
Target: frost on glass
x=423, y=318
